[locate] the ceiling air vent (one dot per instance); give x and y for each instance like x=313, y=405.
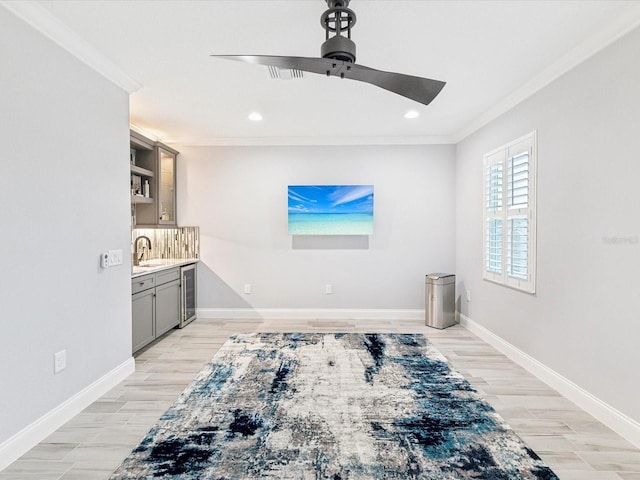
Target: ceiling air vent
x=278, y=73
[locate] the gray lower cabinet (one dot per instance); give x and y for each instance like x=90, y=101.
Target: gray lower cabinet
x=167, y=307
x=143, y=313
x=155, y=306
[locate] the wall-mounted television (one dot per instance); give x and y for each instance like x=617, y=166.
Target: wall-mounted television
x=330, y=209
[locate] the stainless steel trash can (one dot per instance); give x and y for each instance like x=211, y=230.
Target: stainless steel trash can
x=440, y=300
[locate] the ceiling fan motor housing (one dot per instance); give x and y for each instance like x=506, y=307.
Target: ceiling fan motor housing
x=339, y=48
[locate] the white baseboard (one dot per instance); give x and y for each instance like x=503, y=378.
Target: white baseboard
x=27, y=438
x=309, y=314
x=619, y=422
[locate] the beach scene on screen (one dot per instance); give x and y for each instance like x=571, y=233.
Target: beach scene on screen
x=330, y=209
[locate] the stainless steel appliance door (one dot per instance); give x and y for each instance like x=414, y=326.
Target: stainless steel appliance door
x=188, y=311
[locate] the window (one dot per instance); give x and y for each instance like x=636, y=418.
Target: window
x=509, y=248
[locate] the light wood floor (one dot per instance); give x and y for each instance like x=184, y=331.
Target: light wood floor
x=92, y=445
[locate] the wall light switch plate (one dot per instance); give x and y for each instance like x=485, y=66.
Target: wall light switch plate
x=328, y=289
x=115, y=257
x=247, y=288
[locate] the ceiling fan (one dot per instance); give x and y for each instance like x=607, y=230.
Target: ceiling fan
x=339, y=57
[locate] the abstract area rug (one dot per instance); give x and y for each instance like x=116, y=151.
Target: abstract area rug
x=331, y=406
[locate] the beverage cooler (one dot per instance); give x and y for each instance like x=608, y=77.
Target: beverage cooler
x=188, y=302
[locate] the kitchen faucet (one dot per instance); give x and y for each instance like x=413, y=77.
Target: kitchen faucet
x=136, y=259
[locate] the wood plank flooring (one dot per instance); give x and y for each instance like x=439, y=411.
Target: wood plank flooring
x=92, y=445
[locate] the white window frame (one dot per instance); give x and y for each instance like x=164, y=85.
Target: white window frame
x=500, y=247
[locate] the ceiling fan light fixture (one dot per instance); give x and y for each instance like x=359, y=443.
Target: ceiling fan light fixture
x=255, y=117
x=411, y=114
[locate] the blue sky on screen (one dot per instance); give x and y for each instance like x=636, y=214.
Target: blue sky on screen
x=331, y=199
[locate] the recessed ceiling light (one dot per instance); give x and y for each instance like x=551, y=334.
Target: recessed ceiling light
x=255, y=117
x=411, y=114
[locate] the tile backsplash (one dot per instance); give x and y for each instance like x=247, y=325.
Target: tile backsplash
x=174, y=243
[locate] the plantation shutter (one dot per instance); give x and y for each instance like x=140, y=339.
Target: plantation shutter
x=493, y=216
x=509, y=214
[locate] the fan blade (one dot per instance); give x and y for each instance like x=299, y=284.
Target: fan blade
x=306, y=64
x=422, y=90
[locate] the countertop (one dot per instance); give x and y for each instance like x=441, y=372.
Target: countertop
x=153, y=266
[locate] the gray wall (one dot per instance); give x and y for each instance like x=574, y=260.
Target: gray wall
x=584, y=321
x=238, y=197
x=63, y=192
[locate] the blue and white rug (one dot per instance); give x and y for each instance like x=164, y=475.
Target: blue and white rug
x=331, y=406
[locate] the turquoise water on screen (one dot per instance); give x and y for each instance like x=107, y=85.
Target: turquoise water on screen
x=330, y=223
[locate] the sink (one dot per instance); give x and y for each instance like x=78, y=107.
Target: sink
x=142, y=268
x=158, y=262
x=149, y=266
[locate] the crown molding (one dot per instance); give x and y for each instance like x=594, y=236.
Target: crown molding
x=587, y=49
x=313, y=141
x=50, y=26
x=144, y=132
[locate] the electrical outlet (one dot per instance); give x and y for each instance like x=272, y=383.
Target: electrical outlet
x=328, y=289
x=115, y=257
x=104, y=260
x=468, y=295
x=247, y=288
x=59, y=361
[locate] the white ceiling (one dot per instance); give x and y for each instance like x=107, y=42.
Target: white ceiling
x=490, y=53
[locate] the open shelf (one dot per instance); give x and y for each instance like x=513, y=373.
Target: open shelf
x=141, y=171
x=153, y=172
x=140, y=199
